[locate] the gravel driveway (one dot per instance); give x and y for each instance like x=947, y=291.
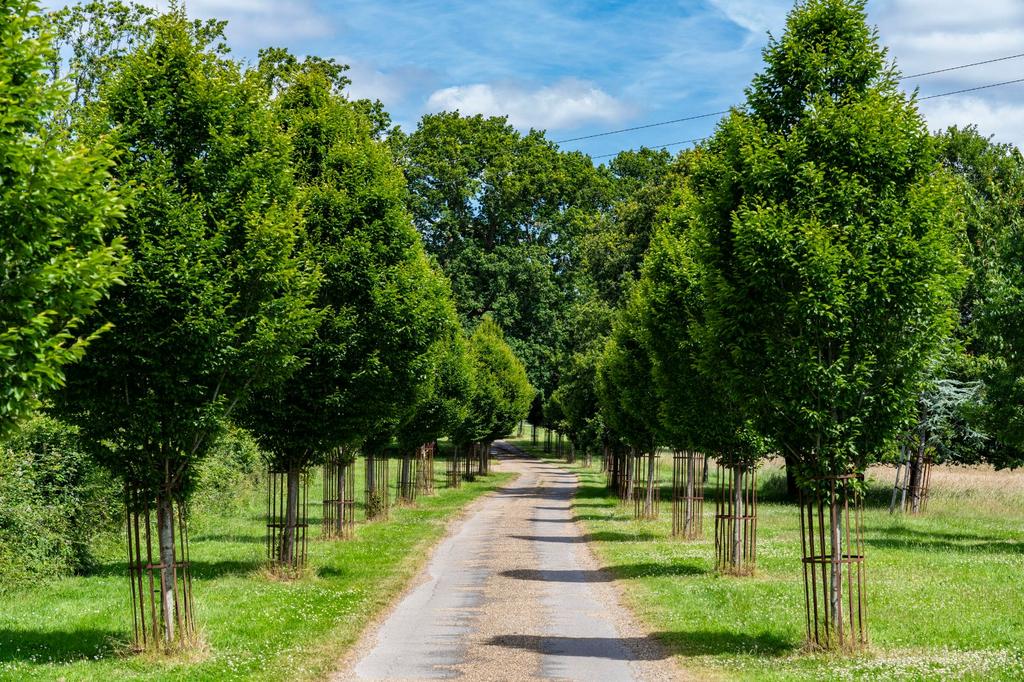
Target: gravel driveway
x=512, y=593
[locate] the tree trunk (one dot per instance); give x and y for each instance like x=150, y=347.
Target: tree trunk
x=691, y=488
x=168, y=603
x=916, y=475
x=792, y=490
x=286, y=553
x=483, y=452
x=737, y=525
x=405, y=485
x=836, y=586
x=630, y=466
x=649, y=498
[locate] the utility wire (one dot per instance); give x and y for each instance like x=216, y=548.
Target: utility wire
x=962, y=66
x=722, y=113
x=919, y=99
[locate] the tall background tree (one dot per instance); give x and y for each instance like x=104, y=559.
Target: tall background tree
x=216, y=302
x=825, y=232
x=59, y=207
x=500, y=210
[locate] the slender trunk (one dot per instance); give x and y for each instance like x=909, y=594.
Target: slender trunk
x=483, y=453
x=792, y=491
x=405, y=485
x=649, y=501
x=168, y=603
x=690, y=490
x=901, y=469
x=737, y=528
x=630, y=466
x=340, y=517
x=916, y=475
x=836, y=586
x=705, y=481
x=286, y=553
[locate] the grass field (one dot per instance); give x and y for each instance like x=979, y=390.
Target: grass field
x=946, y=589
x=253, y=627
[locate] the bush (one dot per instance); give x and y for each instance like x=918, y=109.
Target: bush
x=54, y=501
x=229, y=475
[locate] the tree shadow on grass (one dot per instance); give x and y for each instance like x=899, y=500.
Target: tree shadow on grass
x=200, y=570
x=59, y=646
x=913, y=539
x=719, y=642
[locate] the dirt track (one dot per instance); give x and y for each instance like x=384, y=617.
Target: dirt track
x=512, y=593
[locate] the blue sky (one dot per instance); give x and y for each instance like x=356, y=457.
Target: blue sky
x=576, y=68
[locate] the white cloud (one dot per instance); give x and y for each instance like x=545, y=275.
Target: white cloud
x=261, y=22
x=566, y=104
x=756, y=16
x=390, y=86
x=1005, y=121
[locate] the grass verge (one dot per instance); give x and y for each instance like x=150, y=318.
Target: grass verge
x=252, y=626
x=945, y=594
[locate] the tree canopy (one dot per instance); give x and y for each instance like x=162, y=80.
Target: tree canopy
x=825, y=229
x=59, y=207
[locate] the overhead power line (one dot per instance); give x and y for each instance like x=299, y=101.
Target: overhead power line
x=962, y=66
x=722, y=113
x=919, y=99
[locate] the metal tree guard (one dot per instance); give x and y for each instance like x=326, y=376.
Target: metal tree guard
x=377, y=490
x=286, y=528
x=339, y=497
x=159, y=597
x=453, y=473
x=646, y=486
x=913, y=481
x=736, y=519
x=425, y=470
x=832, y=543
x=409, y=475
x=687, y=494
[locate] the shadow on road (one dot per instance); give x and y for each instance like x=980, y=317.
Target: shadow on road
x=611, y=648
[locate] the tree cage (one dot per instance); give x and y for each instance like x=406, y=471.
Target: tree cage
x=468, y=461
x=483, y=454
x=425, y=471
x=558, y=445
x=287, y=500
x=687, y=494
x=453, y=472
x=646, y=486
x=832, y=541
x=736, y=519
x=408, y=476
x=161, y=583
x=913, y=481
x=339, y=497
x=547, y=441
x=377, y=490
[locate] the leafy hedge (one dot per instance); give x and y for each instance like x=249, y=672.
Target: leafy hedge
x=54, y=501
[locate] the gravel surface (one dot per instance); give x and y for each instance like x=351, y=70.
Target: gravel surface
x=512, y=593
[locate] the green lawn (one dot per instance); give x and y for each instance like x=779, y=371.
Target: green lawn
x=254, y=627
x=946, y=589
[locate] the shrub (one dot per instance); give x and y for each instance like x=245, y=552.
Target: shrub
x=54, y=502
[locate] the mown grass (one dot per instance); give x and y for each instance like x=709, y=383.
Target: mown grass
x=252, y=626
x=945, y=589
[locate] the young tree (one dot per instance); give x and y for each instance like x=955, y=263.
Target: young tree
x=58, y=206
x=501, y=391
x=824, y=229
x=386, y=307
x=629, y=405
x=444, y=403
x=216, y=302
